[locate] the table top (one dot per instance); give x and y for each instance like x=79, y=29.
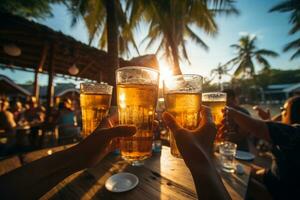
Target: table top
x=161, y=177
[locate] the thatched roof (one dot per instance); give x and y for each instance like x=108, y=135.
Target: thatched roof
x=41, y=45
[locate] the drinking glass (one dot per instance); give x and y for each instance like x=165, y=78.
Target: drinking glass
x=95, y=101
x=217, y=102
x=227, y=153
x=182, y=96
x=137, y=92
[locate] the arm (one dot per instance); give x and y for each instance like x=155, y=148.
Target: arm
x=208, y=182
x=10, y=119
x=196, y=148
x=35, y=179
x=257, y=128
x=263, y=114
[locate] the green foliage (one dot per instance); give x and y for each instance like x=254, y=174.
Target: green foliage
x=277, y=76
x=93, y=13
x=246, y=51
x=292, y=7
x=28, y=8
x=172, y=23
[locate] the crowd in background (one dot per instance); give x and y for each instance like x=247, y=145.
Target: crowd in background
x=16, y=116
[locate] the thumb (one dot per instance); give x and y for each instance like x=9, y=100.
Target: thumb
x=171, y=122
x=119, y=131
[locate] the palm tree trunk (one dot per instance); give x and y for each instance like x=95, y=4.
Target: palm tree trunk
x=177, y=70
x=112, y=43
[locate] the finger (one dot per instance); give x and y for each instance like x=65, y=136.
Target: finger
x=206, y=115
x=171, y=122
x=119, y=131
x=113, y=119
x=105, y=123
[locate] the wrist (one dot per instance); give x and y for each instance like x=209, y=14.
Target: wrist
x=201, y=165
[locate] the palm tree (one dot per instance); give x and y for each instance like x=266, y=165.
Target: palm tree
x=246, y=51
x=220, y=71
x=96, y=17
x=173, y=22
x=105, y=18
x=292, y=6
x=30, y=8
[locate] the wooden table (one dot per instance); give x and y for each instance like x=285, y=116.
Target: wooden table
x=162, y=177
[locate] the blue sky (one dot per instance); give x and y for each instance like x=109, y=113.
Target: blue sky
x=271, y=30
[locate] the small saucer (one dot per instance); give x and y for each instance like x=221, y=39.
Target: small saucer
x=121, y=182
x=243, y=155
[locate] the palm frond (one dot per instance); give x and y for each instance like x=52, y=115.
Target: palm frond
x=196, y=38
x=266, y=52
x=184, y=52
x=296, y=54
x=292, y=45
x=261, y=60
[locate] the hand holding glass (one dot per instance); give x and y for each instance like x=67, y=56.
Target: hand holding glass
x=182, y=95
x=137, y=90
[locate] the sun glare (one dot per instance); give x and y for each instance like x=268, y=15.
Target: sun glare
x=165, y=72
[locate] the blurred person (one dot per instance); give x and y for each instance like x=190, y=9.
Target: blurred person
x=35, y=113
x=8, y=125
x=35, y=116
x=282, y=179
x=19, y=113
x=235, y=134
x=7, y=122
x=290, y=112
x=232, y=101
x=66, y=121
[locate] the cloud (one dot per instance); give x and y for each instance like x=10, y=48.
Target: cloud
x=258, y=34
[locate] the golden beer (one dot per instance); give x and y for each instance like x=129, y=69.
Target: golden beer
x=94, y=108
x=216, y=101
x=216, y=110
x=182, y=95
x=185, y=108
x=95, y=101
x=136, y=105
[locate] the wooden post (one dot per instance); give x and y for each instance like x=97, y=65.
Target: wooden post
x=36, y=89
x=112, y=44
x=50, y=89
x=39, y=68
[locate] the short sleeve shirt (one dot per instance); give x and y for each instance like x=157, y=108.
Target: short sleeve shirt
x=283, y=178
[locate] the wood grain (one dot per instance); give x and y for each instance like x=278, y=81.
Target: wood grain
x=162, y=177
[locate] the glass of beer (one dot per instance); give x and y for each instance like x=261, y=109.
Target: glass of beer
x=137, y=92
x=182, y=96
x=95, y=101
x=217, y=102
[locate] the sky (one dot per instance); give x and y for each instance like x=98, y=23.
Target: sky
x=271, y=30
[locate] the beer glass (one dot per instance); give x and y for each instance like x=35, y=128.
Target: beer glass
x=217, y=102
x=182, y=94
x=95, y=101
x=137, y=91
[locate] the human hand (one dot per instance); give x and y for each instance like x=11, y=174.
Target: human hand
x=263, y=114
x=93, y=148
x=195, y=146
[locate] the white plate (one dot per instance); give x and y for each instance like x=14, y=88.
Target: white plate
x=121, y=182
x=243, y=155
